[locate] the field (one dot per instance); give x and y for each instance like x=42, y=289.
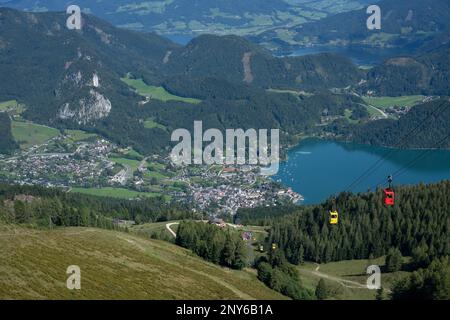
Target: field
x=119, y=193
x=8, y=105
x=28, y=134
x=158, y=93
x=347, y=279
x=114, y=265
x=156, y=227
x=79, y=135
x=385, y=102
x=133, y=164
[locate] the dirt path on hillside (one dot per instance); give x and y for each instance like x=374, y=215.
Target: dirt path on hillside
x=170, y=230
x=346, y=283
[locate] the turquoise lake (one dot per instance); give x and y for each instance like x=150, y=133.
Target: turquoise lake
x=318, y=169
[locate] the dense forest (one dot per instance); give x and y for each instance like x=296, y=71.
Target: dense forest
x=424, y=126
x=427, y=74
x=432, y=283
x=224, y=247
x=418, y=225
x=46, y=207
x=7, y=143
x=223, y=57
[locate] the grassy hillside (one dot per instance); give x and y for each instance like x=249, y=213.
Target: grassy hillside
x=113, y=265
x=28, y=134
x=346, y=280
x=120, y=193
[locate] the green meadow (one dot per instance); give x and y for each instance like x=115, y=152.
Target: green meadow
x=385, y=102
x=134, y=164
x=28, y=134
x=79, y=135
x=120, y=193
x=347, y=280
x=158, y=93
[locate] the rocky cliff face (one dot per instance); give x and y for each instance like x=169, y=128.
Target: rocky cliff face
x=91, y=108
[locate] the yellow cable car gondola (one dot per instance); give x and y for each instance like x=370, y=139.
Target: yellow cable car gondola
x=274, y=246
x=334, y=217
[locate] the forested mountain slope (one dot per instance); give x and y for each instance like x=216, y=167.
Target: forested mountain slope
x=417, y=225
x=7, y=143
x=427, y=74
x=238, y=60
x=424, y=126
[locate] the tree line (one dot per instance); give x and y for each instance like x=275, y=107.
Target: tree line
x=7, y=143
x=224, y=247
x=46, y=207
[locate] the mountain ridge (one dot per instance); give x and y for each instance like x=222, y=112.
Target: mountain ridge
x=404, y=22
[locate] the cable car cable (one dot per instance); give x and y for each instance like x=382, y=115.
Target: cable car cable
x=424, y=153
x=375, y=166
x=438, y=111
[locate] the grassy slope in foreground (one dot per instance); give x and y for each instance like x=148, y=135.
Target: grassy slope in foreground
x=114, y=265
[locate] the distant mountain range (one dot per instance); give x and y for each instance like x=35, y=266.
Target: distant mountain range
x=70, y=78
x=199, y=16
x=404, y=23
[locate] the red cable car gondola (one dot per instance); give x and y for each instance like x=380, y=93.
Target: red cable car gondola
x=389, y=194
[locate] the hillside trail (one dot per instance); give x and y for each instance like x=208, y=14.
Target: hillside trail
x=170, y=230
x=380, y=111
x=343, y=282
